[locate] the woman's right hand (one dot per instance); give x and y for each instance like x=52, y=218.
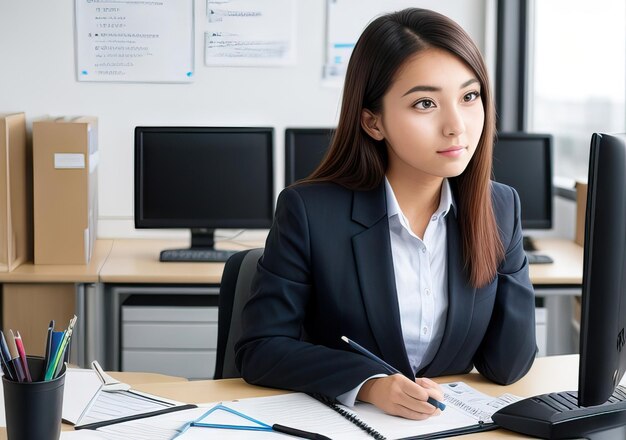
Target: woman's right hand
x=399, y=396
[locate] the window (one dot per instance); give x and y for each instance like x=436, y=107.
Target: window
x=577, y=64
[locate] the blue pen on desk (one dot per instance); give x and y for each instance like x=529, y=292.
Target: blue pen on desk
x=390, y=369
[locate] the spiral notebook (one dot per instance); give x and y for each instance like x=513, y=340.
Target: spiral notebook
x=467, y=411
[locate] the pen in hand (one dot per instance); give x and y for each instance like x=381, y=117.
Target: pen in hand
x=390, y=369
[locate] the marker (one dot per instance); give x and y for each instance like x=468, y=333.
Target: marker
x=15, y=358
x=19, y=344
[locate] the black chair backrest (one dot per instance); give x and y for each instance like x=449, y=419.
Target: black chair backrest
x=234, y=292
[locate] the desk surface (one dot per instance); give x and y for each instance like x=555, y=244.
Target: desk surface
x=137, y=261
x=555, y=373
x=55, y=273
x=568, y=262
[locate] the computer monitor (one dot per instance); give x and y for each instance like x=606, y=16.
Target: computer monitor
x=524, y=161
x=304, y=150
x=599, y=405
x=203, y=178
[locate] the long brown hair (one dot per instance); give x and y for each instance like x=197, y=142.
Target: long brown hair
x=358, y=162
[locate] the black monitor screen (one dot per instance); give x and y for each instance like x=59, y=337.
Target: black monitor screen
x=524, y=161
x=603, y=317
x=203, y=177
x=304, y=150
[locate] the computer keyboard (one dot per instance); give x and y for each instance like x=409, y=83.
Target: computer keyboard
x=195, y=255
x=557, y=415
x=538, y=258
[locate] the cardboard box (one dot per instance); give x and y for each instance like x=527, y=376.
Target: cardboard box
x=581, y=206
x=53, y=301
x=65, y=157
x=16, y=193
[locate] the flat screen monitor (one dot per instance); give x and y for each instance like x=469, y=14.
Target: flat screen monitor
x=203, y=178
x=600, y=405
x=603, y=318
x=524, y=161
x=304, y=150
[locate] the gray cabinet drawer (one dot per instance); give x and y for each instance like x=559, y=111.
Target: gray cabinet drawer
x=179, y=335
x=169, y=314
x=189, y=364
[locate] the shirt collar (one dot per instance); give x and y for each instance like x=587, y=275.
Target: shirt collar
x=446, y=201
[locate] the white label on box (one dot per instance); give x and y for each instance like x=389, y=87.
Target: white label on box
x=69, y=160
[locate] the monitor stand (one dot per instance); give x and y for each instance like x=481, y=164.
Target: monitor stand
x=202, y=249
x=202, y=238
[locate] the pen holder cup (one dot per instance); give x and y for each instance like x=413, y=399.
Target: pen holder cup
x=33, y=409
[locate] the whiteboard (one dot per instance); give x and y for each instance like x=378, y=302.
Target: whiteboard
x=134, y=40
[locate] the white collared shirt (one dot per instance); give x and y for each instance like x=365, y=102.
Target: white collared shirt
x=421, y=274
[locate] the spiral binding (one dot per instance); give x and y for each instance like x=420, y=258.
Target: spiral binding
x=351, y=417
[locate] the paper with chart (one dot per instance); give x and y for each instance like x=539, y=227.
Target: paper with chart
x=250, y=33
x=135, y=40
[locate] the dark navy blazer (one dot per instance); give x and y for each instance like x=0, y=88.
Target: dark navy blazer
x=327, y=271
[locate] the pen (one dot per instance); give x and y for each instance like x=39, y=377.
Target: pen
x=6, y=357
x=22, y=353
x=15, y=358
x=390, y=369
x=48, y=346
x=298, y=432
x=53, y=367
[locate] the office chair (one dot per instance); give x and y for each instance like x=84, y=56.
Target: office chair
x=234, y=292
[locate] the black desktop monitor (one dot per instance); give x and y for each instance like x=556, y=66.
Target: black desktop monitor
x=304, y=150
x=524, y=161
x=599, y=406
x=203, y=178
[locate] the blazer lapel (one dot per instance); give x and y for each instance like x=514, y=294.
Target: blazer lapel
x=460, y=303
x=374, y=262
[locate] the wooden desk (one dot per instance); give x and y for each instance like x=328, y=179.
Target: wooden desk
x=137, y=261
x=32, y=295
x=555, y=373
x=567, y=268
x=548, y=374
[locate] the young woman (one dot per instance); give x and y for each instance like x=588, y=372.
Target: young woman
x=399, y=240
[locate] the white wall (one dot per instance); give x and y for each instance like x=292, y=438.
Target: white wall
x=37, y=76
